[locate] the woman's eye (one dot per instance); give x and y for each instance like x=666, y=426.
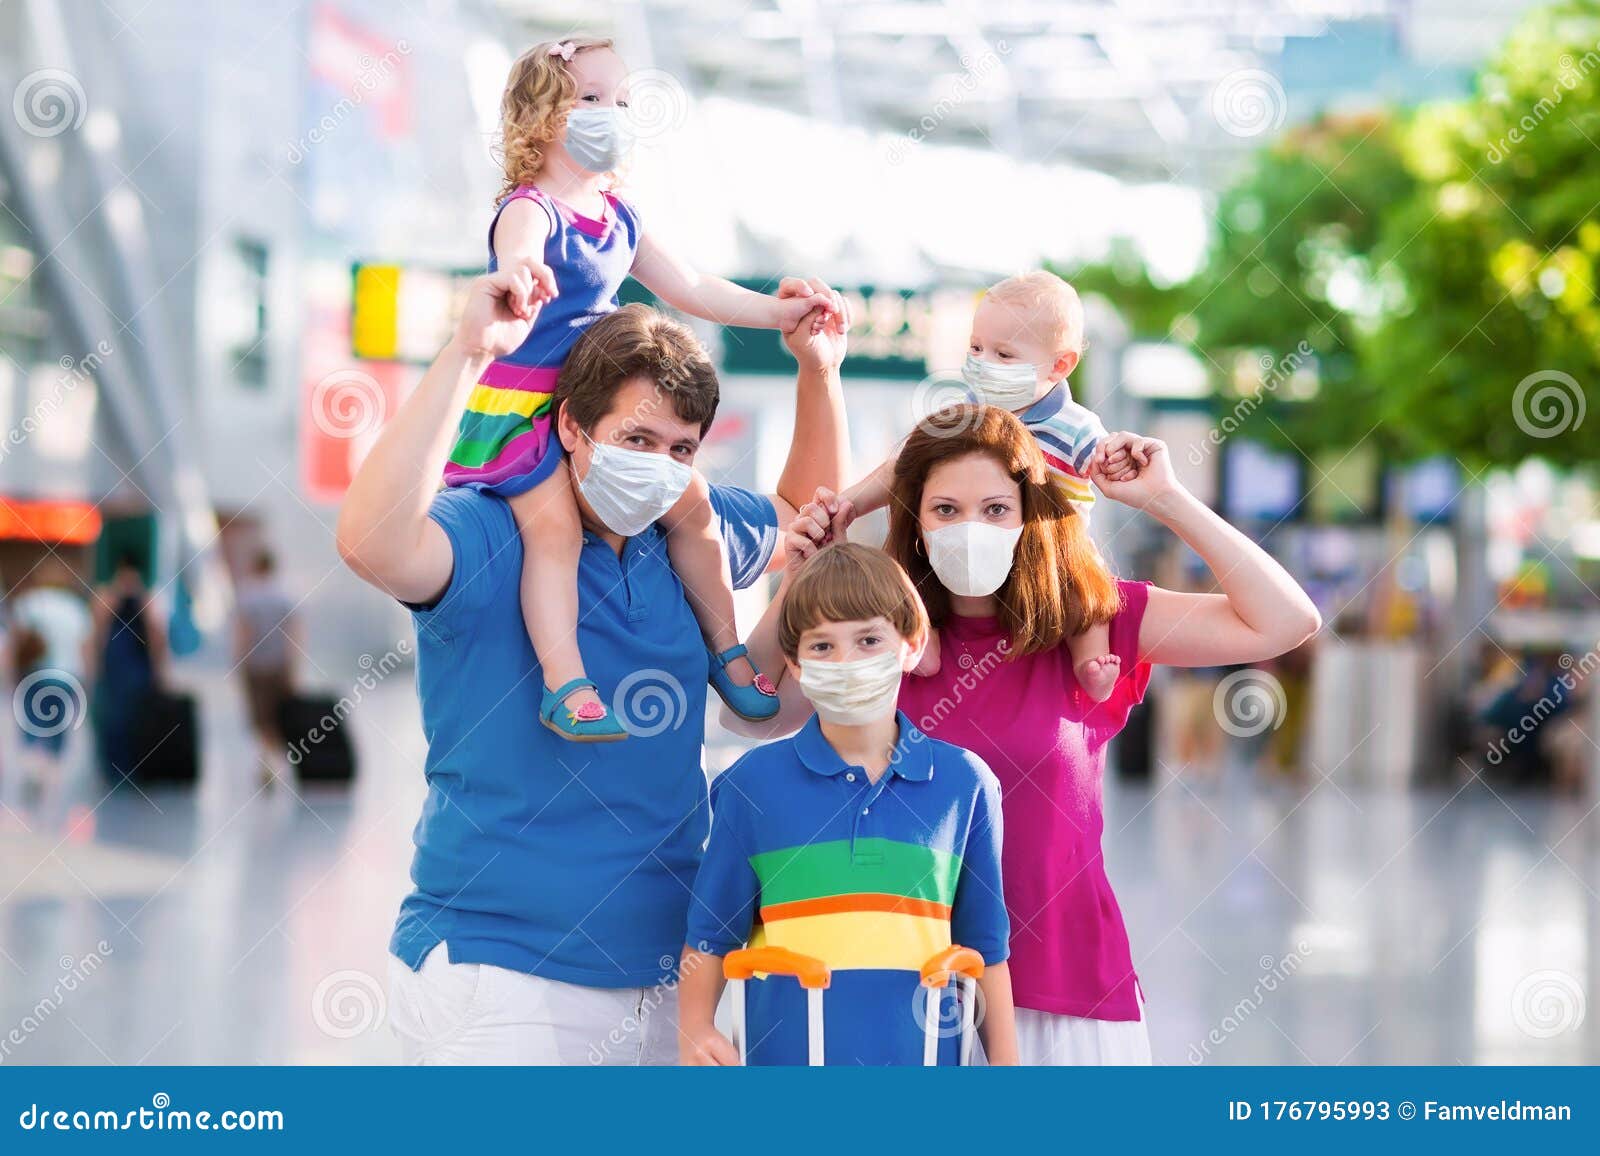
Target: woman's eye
x=999, y=510
x=944, y=510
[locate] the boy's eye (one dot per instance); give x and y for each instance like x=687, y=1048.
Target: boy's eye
x=871, y=640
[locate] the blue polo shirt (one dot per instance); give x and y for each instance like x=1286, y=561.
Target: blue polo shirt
x=872, y=878
x=567, y=860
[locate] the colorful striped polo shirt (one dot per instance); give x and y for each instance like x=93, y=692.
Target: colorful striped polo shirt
x=871, y=878
x=1067, y=433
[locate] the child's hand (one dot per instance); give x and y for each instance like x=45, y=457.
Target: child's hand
x=500, y=309
x=799, y=297
x=820, y=522
x=706, y=1047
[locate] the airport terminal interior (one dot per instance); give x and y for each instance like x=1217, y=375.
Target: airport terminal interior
x=1340, y=255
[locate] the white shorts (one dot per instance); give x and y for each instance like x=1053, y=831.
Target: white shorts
x=1048, y=1040
x=475, y=1013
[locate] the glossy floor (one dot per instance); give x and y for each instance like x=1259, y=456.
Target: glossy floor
x=1285, y=925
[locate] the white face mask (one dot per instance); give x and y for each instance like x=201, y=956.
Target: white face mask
x=852, y=693
x=972, y=558
x=628, y=490
x=599, y=139
x=1006, y=386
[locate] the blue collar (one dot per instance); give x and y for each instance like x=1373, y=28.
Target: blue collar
x=912, y=759
x=1047, y=406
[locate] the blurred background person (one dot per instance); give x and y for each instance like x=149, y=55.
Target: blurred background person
x=50, y=636
x=264, y=649
x=131, y=653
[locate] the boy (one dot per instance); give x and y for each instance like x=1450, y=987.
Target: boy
x=1027, y=338
x=859, y=841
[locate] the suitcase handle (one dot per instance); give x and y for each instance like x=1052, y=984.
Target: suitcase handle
x=813, y=974
x=949, y=963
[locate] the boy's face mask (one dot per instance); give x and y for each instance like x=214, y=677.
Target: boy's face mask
x=853, y=693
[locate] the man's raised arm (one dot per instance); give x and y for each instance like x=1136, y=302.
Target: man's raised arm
x=384, y=532
x=819, y=453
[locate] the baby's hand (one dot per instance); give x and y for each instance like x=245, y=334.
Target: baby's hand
x=799, y=296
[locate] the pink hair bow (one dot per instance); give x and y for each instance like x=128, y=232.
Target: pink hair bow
x=564, y=50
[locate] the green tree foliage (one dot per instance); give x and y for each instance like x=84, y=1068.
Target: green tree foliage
x=1496, y=256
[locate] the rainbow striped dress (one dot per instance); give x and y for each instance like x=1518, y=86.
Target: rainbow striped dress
x=874, y=879
x=504, y=444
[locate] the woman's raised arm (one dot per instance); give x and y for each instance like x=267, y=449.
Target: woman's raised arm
x=1262, y=612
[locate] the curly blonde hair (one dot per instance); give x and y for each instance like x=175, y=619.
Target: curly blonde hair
x=539, y=93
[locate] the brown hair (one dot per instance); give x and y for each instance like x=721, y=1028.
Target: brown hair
x=1058, y=586
x=849, y=582
x=637, y=341
x=533, y=110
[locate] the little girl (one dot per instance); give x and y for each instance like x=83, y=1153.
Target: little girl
x=564, y=133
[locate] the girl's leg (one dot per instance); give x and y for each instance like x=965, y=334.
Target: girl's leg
x=695, y=548
x=1092, y=661
x=552, y=539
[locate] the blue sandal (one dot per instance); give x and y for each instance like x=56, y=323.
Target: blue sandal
x=590, y=723
x=755, y=703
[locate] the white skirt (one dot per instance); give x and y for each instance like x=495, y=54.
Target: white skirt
x=1047, y=1040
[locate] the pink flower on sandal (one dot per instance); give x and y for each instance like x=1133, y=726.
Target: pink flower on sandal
x=764, y=685
x=588, y=712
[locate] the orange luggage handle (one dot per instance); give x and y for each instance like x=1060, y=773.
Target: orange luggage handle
x=813, y=974
x=949, y=963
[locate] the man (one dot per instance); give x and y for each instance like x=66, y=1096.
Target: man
x=263, y=643
x=552, y=882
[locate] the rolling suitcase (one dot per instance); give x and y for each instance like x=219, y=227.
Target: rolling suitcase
x=166, y=740
x=319, y=749
x=814, y=976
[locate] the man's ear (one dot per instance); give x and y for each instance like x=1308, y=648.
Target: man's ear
x=566, y=429
x=1064, y=365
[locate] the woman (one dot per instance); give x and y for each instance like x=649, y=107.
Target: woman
x=1024, y=577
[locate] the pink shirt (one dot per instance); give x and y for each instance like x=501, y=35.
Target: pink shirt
x=1046, y=742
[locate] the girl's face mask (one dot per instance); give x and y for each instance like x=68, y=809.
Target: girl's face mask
x=599, y=139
